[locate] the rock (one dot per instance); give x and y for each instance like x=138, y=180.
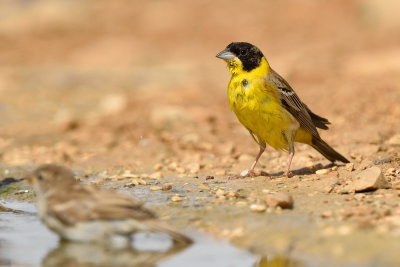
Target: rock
x=258, y=207
x=176, y=198
x=394, y=140
x=349, y=167
x=283, y=200
x=166, y=187
x=369, y=180
x=327, y=214
x=322, y=171
x=155, y=188
x=158, y=167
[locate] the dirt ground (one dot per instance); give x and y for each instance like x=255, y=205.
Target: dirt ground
x=132, y=91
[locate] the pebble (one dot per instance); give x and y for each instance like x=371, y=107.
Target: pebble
x=176, y=198
x=258, y=207
x=349, y=167
x=283, y=200
x=322, y=171
x=157, y=166
x=166, y=187
x=327, y=214
x=155, y=188
x=369, y=180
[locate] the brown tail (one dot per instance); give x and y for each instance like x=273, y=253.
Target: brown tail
x=327, y=151
x=159, y=226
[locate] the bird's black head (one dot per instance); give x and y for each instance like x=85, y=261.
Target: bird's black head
x=249, y=55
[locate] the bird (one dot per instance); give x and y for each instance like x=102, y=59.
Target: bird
x=88, y=214
x=267, y=106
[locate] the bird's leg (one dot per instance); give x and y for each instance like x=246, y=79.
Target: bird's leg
x=288, y=173
x=251, y=173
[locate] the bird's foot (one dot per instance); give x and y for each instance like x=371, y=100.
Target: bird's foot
x=252, y=173
x=289, y=174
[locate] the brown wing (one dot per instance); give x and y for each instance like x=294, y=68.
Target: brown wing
x=85, y=203
x=292, y=103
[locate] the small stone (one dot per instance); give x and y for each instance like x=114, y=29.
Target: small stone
x=258, y=207
x=327, y=214
x=155, y=188
x=97, y=182
x=209, y=177
x=172, y=166
x=176, y=198
x=157, y=166
x=349, y=167
x=166, y=187
x=283, y=200
x=203, y=186
x=369, y=180
x=322, y=171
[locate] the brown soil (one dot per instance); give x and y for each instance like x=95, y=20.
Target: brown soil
x=114, y=87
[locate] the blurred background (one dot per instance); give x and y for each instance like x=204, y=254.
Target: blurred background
x=102, y=83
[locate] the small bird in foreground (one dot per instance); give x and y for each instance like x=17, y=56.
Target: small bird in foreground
x=83, y=213
x=269, y=108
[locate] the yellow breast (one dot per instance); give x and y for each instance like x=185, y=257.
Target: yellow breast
x=257, y=106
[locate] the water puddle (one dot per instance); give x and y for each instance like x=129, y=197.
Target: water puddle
x=25, y=241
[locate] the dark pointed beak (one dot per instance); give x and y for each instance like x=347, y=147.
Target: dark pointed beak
x=225, y=55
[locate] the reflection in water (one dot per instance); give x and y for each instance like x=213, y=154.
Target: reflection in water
x=78, y=254
x=25, y=241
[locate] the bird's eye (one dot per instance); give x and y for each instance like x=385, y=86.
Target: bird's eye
x=40, y=177
x=243, y=52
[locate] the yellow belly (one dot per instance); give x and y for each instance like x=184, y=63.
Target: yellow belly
x=259, y=109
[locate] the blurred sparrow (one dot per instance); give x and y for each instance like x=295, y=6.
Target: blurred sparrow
x=82, y=213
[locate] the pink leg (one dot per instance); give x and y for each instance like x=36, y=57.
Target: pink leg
x=288, y=173
x=251, y=173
